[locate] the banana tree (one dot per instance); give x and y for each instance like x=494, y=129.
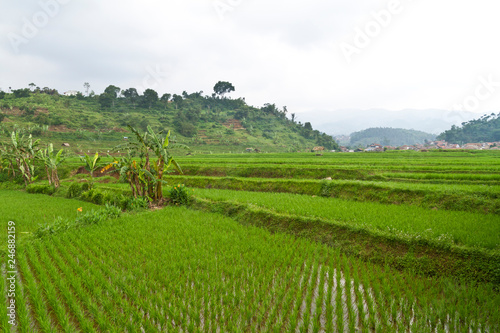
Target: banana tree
x=91, y=164
x=7, y=159
x=129, y=168
x=149, y=173
x=23, y=151
x=51, y=162
x=164, y=160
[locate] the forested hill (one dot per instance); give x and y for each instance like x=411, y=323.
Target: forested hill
x=211, y=122
x=389, y=137
x=484, y=129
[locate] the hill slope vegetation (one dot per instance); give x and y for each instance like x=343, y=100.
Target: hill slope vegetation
x=389, y=137
x=207, y=122
x=484, y=129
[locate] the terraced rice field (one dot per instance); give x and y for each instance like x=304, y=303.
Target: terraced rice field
x=177, y=270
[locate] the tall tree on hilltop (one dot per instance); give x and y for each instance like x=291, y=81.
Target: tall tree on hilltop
x=223, y=87
x=110, y=93
x=177, y=99
x=131, y=94
x=165, y=99
x=86, y=85
x=151, y=97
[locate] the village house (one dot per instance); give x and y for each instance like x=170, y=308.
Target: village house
x=375, y=147
x=473, y=146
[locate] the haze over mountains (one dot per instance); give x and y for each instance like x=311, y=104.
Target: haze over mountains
x=344, y=122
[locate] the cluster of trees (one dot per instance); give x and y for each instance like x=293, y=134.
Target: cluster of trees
x=20, y=155
x=147, y=100
x=144, y=167
x=150, y=98
x=26, y=92
x=484, y=129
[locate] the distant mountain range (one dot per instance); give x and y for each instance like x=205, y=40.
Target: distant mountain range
x=344, y=122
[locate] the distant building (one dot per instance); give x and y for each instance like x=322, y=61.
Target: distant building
x=71, y=93
x=473, y=146
x=375, y=147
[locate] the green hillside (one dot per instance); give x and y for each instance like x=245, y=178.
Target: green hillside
x=389, y=137
x=204, y=123
x=484, y=129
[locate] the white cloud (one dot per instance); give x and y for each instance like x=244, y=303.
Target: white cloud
x=283, y=52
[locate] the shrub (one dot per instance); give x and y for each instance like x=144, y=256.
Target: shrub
x=42, y=119
x=107, y=197
x=43, y=189
x=97, y=197
x=179, y=195
x=91, y=217
x=96, y=217
x=18, y=179
x=187, y=129
x=57, y=226
x=87, y=186
x=120, y=201
x=87, y=195
x=4, y=177
x=138, y=203
x=74, y=190
x=129, y=203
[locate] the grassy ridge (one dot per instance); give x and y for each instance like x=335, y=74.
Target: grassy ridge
x=455, y=228
x=452, y=197
x=465, y=176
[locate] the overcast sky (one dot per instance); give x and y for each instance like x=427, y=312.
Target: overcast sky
x=306, y=55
